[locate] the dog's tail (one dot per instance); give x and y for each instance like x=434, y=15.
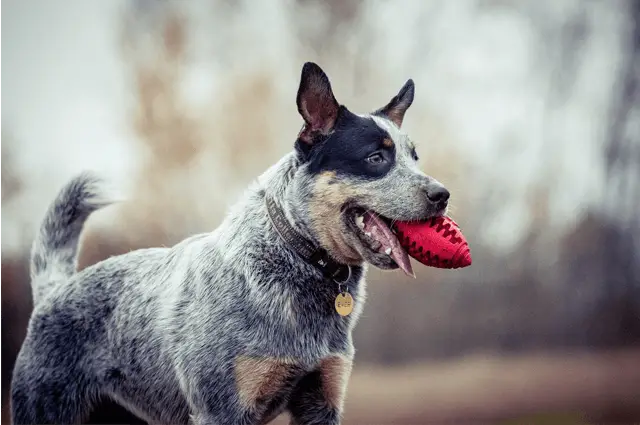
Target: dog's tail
x=54, y=251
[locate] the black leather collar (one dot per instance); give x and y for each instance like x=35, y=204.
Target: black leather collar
x=316, y=256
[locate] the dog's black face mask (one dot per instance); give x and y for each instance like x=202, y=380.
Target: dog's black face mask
x=359, y=166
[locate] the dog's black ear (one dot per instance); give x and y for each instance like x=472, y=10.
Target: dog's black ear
x=399, y=104
x=316, y=103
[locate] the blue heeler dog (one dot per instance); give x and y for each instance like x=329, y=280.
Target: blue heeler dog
x=240, y=324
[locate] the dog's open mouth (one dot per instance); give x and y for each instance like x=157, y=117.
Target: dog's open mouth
x=376, y=234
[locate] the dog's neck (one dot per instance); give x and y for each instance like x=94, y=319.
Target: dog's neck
x=283, y=185
x=278, y=184
x=271, y=267
x=311, y=253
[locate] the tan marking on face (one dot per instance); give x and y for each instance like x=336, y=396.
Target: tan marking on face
x=387, y=143
x=329, y=175
x=260, y=378
x=329, y=195
x=334, y=372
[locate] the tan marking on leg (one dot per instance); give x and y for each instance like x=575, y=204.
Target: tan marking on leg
x=334, y=372
x=260, y=378
x=329, y=195
x=387, y=143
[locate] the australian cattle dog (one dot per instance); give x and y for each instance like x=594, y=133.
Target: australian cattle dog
x=240, y=324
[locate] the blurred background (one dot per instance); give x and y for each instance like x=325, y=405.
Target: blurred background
x=528, y=111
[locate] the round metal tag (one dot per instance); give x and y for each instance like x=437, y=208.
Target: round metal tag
x=344, y=304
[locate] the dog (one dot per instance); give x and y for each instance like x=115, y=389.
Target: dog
x=241, y=324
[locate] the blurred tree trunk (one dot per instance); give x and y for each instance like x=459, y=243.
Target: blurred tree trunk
x=621, y=262
x=601, y=259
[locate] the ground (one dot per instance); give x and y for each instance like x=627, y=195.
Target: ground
x=559, y=388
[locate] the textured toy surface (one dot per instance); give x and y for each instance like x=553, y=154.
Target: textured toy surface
x=437, y=242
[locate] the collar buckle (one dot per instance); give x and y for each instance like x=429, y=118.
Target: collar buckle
x=340, y=273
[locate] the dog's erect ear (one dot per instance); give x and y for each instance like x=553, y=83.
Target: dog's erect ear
x=399, y=104
x=316, y=103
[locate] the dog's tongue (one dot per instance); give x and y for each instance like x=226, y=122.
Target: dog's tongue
x=388, y=241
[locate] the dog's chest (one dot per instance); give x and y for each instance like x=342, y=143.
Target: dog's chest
x=259, y=378
x=265, y=384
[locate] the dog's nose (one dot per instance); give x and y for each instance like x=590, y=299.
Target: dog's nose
x=438, y=194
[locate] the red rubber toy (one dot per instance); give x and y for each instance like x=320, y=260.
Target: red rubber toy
x=437, y=242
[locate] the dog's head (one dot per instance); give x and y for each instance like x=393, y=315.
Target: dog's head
x=351, y=164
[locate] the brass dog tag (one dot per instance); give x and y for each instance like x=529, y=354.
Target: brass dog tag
x=344, y=304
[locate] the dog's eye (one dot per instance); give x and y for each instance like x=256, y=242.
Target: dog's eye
x=376, y=158
x=414, y=155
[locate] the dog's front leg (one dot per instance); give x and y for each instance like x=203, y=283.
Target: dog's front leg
x=221, y=415
x=249, y=392
x=204, y=419
x=213, y=399
x=319, y=397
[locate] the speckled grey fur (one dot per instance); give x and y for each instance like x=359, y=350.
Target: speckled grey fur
x=159, y=330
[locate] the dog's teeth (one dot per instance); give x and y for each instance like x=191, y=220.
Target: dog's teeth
x=360, y=222
x=387, y=251
x=368, y=234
